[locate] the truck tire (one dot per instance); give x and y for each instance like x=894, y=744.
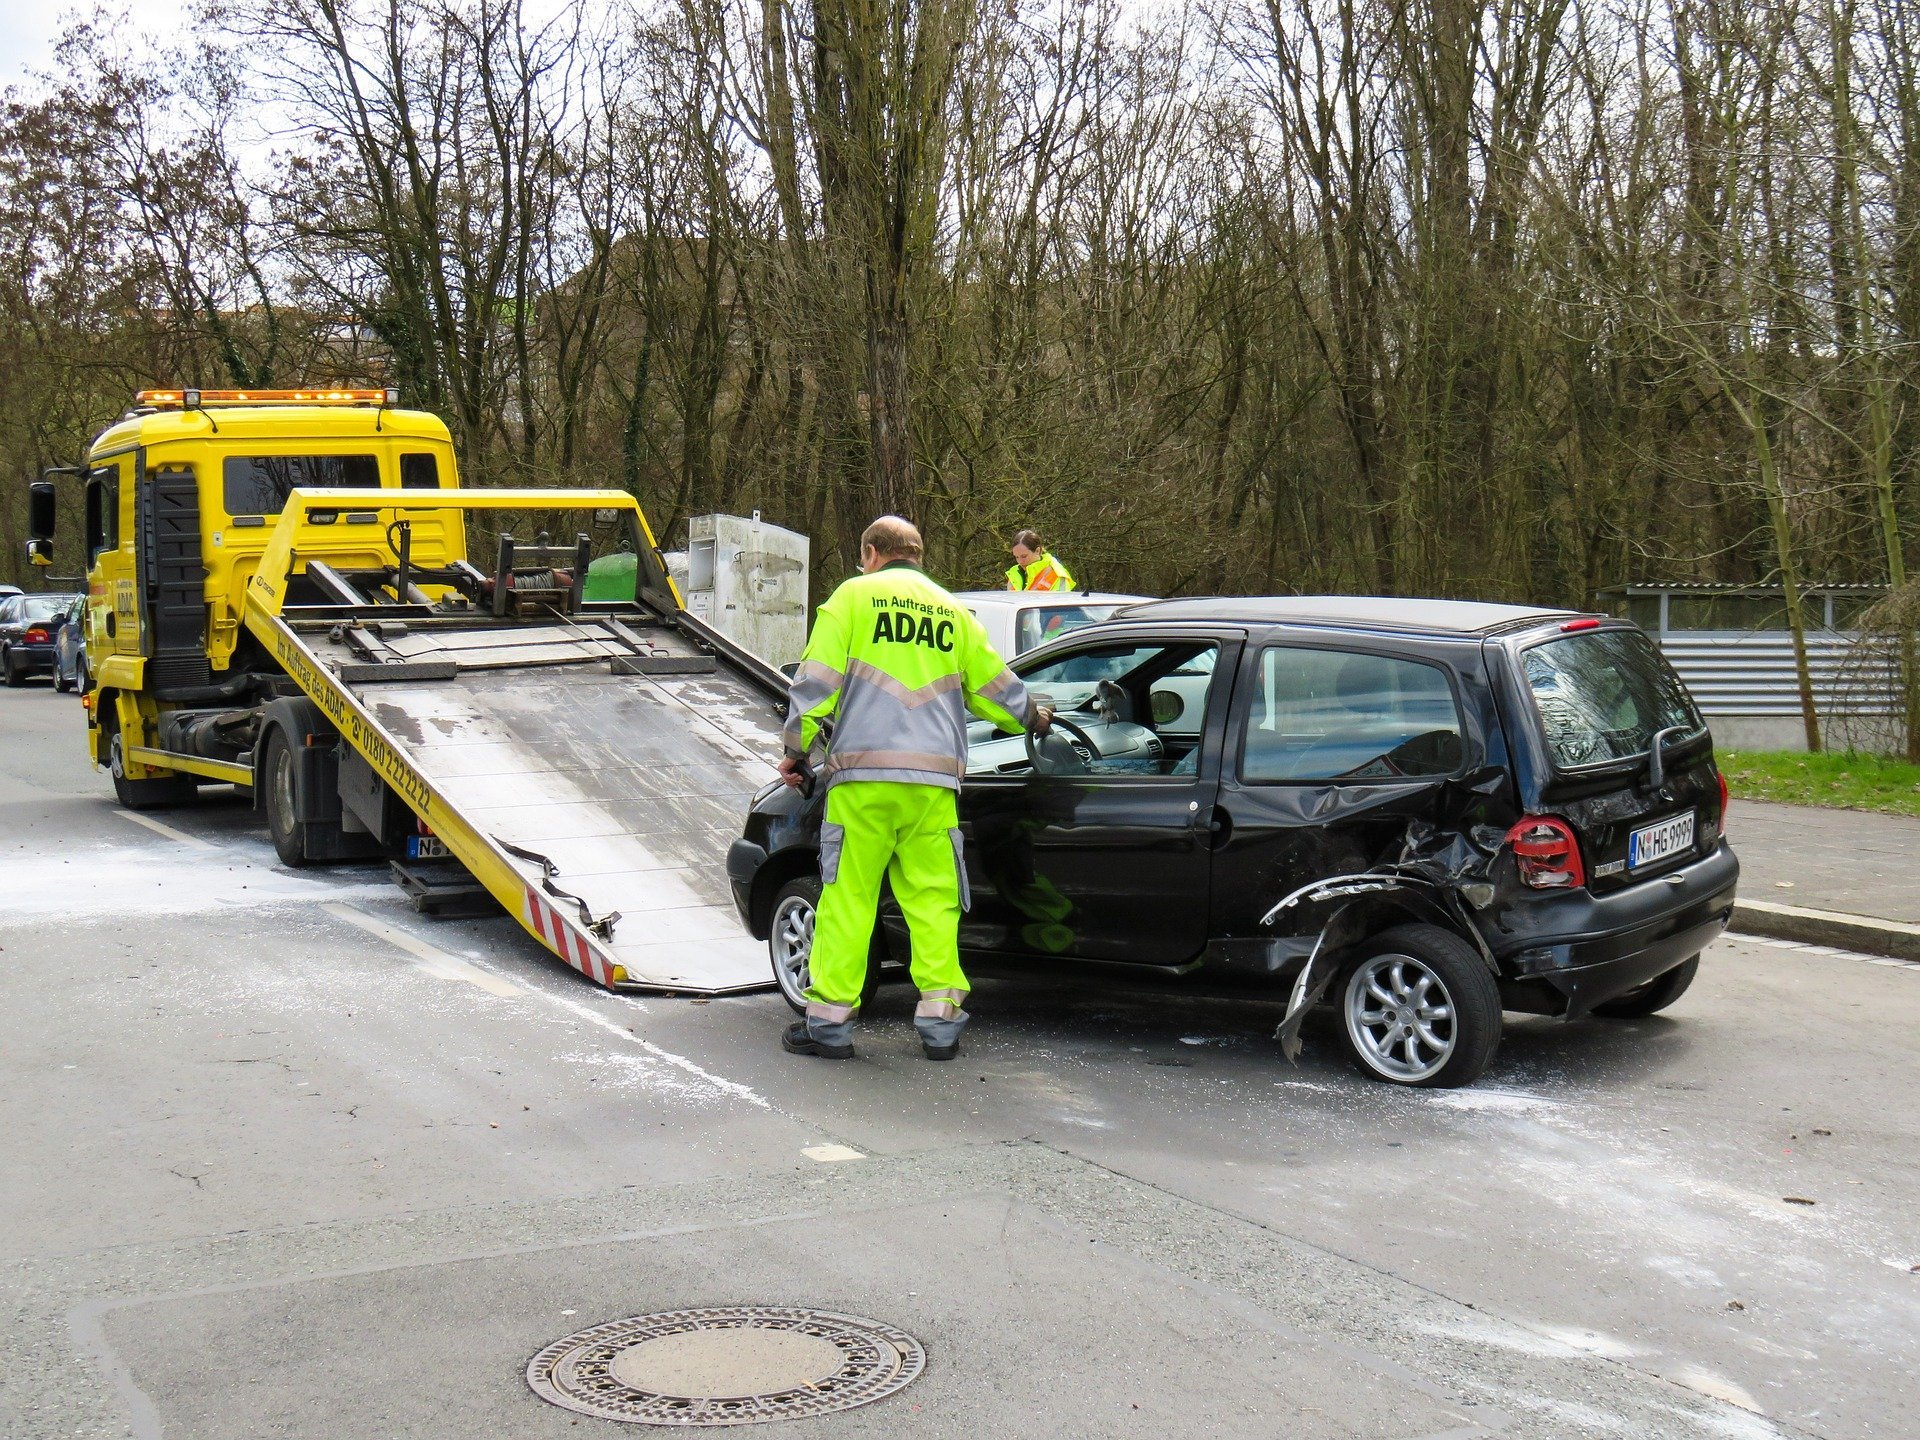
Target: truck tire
x=1652, y=997
x=283, y=800
x=156, y=794
x=790, y=942
x=1420, y=1008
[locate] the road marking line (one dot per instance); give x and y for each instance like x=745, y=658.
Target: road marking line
x=827, y=1154
x=191, y=841
x=434, y=961
x=594, y=1017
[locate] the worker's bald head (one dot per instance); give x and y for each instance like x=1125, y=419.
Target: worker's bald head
x=891, y=538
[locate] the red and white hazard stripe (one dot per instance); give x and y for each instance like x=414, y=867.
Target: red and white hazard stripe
x=562, y=937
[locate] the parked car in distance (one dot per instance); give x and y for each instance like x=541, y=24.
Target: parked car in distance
x=27, y=627
x=10, y=590
x=70, y=650
x=1018, y=620
x=1420, y=812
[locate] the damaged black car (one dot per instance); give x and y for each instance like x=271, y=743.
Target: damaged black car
x=1421, y=813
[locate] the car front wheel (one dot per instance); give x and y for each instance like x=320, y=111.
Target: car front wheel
x=790, y=943
x=1420, y=1008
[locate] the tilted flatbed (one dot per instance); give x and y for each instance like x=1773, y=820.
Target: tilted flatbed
x=586, y=762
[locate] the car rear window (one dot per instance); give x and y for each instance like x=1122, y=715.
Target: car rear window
x=260, y=484
x=1041, y=623
x=1603, y=694
x=43, y=607
x=1344, y=715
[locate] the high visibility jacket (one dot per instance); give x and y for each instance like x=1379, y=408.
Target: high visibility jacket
x=898, y=664
x=1046, y=573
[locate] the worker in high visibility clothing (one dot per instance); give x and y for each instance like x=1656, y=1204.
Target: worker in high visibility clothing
x=1034, y=566
x=898, y=664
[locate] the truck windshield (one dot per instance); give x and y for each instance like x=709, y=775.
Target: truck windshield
x=1603, y=694
x=260, y=484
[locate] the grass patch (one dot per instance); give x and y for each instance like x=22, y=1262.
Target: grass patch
x=1841, y=781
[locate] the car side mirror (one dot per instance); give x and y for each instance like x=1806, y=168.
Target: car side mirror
x=40, y=514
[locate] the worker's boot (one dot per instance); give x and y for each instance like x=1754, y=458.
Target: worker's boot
x=939, y=1019
x=799, y=1041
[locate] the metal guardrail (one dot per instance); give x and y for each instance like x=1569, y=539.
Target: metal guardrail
x=1753, y=673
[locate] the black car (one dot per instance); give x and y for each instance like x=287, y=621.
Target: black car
x=70, y=670
x=1423, y=812
x=28, y=627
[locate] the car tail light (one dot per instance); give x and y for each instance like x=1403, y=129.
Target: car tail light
x=1547, y=854
x=1725, y=799
x=35, y=636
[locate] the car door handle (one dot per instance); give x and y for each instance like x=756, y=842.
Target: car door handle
x=1219, y=825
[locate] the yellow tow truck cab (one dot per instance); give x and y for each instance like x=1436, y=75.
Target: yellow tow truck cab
x=281, y=599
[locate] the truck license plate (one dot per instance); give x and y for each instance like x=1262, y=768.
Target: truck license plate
x=428, y=847
x=1654, y=843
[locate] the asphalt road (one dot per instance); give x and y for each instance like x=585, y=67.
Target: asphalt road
x=283, y=1158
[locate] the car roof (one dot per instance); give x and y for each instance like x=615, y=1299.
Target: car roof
x=1370, y=612
x=1026, y=599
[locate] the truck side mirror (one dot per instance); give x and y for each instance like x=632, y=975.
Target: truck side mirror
x=40, y=512
x=39, y=552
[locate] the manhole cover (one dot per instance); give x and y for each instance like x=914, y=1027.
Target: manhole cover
x=733, y=1365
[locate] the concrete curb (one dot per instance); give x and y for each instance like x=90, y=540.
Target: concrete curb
x=1827, y=927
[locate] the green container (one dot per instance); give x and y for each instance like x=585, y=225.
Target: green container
x=613, y=577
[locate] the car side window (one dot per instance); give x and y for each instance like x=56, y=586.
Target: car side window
x=1125, y=710
x=1319, y=715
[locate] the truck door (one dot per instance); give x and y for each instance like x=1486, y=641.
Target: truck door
x=113, y=604
x=1338, y=745
x=1107, y=859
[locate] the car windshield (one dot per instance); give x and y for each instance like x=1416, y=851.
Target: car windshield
x=1603, y=694
x=1041, y=623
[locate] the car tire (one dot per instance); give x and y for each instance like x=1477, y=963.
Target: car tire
x=1396, y=1029
x=14, y=677
x=283, y=800
x=157, y=794
x=82, y=680
x=1654, y=996
x=790, y=941
x=61, y=684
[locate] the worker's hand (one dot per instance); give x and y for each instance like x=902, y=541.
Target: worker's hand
x=792, y=771
x=1042, y=719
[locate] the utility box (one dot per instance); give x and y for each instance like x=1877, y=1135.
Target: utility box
x=748, y=580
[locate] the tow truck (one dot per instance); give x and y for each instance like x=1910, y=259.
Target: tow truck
x=282, y=597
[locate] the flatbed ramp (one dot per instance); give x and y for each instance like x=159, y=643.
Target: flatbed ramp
x=590, y=772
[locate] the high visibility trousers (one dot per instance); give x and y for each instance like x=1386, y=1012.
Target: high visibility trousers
x=909, y=834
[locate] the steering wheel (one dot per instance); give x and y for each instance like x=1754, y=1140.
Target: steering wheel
x=1079, y=765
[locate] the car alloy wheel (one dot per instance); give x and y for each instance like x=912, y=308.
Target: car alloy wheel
x=1400, y=1018
x=791, y=943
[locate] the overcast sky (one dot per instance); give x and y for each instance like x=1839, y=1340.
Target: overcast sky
x=28, y=29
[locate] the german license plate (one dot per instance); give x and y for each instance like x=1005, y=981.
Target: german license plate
x=1651, y=844
x=429, y=847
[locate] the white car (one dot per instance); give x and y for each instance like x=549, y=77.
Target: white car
x=1018, y=620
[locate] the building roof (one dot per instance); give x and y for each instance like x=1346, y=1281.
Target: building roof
x=1373, y=612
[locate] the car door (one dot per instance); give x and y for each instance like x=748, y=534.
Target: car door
x=1107, y=857
x=1339, y=745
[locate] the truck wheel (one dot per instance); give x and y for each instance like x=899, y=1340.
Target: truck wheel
x=15, y=678
x=142, y=794
x=1652, y=997
x=1419, y=1007
x=790, y=943
x=283, y=800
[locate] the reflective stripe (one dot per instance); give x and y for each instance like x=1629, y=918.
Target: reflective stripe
x=841, y=761
x=831, y=1014
x=958, y=997
x=818, y=671
x=1009, y=690
x=936, y=1010
x=859, y=672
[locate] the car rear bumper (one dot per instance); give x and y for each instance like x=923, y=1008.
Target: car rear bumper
x=32, y=657
x=1564, y=954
